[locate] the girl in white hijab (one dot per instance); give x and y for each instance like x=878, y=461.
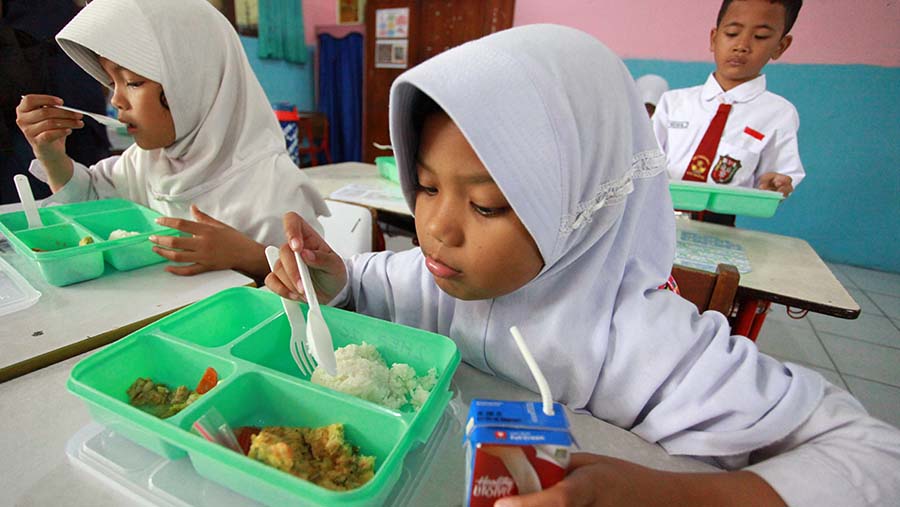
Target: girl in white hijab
x=541, y=201
x=205, y=135
x=650, y=88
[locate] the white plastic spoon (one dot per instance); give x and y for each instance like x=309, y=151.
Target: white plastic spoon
x=27, y=200
x=106, y=120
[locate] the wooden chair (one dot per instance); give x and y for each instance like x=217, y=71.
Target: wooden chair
x=709, y=291
x=313, y=136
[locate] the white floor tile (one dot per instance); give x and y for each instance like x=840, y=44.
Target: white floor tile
x=778, y=313
x=867, y=327
x=890, y=305
x=838, y=271
x=792, y=343
x=874, y=281
x=864, y=302
x=882, y=401
x=864, y=360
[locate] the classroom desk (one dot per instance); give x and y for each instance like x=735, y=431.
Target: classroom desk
x=784, y=270
x=40, y=416
x=67, y=321
x=392, y=210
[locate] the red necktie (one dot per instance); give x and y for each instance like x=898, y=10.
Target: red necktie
x=698, y=167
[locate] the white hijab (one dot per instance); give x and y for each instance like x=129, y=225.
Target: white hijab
x=651, y=87
x=228, y=141
x=555, y=117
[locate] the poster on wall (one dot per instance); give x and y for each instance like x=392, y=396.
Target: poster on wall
x=392, y=23
x=391, y=53
x=350, y=12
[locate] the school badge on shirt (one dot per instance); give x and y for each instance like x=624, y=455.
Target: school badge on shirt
x=725, y=169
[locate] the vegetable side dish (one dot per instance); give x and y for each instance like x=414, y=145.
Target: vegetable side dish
x=318, y=455
x=161, y=401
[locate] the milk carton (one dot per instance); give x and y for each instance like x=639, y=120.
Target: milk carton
x=514, y=448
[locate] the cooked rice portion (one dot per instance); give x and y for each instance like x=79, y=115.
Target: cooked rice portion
x=362, y=372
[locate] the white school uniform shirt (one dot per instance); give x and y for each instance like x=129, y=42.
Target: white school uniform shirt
x=570, y=146
x=760, y=133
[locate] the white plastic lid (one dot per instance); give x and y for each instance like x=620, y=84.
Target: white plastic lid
x=15, y=292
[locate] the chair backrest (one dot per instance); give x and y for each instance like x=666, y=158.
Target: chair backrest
x=709, y=291
x=313, y=136
x=318, y=123
x=350, y=228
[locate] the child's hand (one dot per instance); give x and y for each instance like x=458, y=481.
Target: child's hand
x=777, y=182
x=325, y=266
x=212, y=246
x=595, y=480
x=46, y=128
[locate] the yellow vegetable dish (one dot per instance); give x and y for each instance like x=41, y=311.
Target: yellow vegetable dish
x=319, y=455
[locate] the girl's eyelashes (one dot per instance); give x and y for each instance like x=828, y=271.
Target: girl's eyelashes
x=427, y=190
x=489, y=212
x=134, y=84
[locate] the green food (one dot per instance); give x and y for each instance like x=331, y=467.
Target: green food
x=158, y=399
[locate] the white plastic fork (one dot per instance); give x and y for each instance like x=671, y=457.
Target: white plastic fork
x=305, y=363
x=318, y=336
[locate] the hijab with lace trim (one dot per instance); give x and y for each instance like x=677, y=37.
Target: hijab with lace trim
x=224, y=126
x=557, y=121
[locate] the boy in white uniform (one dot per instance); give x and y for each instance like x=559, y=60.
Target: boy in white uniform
x=756, y=147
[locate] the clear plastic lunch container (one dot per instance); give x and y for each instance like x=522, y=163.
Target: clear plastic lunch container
x=697, y=196
x=244, y=334
x=55, y=246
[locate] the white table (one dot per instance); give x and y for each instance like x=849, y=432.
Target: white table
x=39, y=417
x=332, y=177
x=67, y=321
x=784, y=270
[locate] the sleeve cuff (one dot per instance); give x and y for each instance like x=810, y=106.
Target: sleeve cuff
x=75, y=190
x=785, y=475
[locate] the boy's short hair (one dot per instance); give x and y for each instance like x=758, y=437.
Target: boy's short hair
x=791, y=10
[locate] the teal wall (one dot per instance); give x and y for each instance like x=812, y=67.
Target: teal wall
x=848, y=207
x=283, y=81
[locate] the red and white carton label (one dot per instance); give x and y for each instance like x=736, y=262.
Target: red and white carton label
x=513, y=450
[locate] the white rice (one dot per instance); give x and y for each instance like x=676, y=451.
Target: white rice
x=121, y=233
x=362, y=372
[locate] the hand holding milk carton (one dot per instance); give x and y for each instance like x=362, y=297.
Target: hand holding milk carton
x=515, y=447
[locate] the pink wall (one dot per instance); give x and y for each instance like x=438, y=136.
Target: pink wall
x=827, y=31
x=317, y=12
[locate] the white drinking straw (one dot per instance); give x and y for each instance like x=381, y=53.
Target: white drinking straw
x=543, y=387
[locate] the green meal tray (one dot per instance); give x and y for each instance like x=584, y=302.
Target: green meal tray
x=64, y=262
x=696, y=196
x=244, y=334
x=387, y=168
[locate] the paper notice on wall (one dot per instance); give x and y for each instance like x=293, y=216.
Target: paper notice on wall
x=392, y=23
x=391, y=53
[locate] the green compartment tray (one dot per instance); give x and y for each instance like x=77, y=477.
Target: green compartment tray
x=62, y=262
x=244, y=334
x=387, y=168
x=696, y=196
